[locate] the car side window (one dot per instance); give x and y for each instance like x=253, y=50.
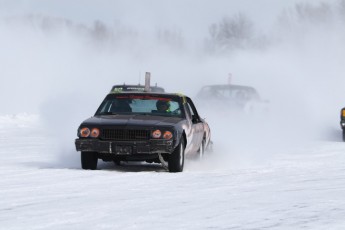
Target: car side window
x=188, y=111
x=193, y=112
x=106, y=106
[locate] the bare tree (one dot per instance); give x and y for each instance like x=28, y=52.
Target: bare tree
x=100, y=31
x=231, y=33
x=306, y=14
x=172, y=38
x=342, y=9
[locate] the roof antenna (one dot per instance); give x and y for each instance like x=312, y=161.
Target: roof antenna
x=139, y=77
x=147, y=81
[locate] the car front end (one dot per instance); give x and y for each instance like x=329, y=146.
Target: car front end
x=125, y=140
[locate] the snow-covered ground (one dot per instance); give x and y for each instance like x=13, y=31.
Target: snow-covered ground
x=280, y=170
x=301, y=187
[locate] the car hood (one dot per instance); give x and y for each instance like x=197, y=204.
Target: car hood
x=131, y=120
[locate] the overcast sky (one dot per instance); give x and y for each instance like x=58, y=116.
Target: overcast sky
x=64, y=63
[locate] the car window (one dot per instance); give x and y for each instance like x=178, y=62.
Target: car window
x=140, y=104
x=148, y=106
x=190, y=110
x=194, y=113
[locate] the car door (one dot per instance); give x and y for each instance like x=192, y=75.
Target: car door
x=197, y=128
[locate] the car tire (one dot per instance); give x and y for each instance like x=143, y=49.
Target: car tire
x=176, y=159
x=344, y=135
x=89, y=160
x=117, y=162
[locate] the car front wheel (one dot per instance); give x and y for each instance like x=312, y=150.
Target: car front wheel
x=176, y=159
x=89, y=160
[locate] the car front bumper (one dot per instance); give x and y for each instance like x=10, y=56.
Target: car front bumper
x=125, y=147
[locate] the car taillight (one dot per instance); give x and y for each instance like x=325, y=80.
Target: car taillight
x=343, y=112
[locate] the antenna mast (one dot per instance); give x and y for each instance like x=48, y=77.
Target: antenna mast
x=147, y=81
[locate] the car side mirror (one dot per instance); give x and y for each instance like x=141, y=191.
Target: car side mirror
x=195, y=119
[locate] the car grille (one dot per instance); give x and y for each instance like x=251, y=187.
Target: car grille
x=125, y=134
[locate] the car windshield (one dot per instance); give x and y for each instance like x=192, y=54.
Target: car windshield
x=160, y=105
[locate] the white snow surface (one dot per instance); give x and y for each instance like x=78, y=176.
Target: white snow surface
x=281, y=170
x=301, y=187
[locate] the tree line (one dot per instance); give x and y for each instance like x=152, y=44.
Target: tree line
x=230, y=33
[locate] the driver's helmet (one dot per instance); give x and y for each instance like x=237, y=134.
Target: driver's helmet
x=160, y=104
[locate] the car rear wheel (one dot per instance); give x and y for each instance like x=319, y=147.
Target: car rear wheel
x=89, y=160
x=176, y=159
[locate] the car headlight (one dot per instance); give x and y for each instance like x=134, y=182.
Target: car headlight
x=84, y=132
x=167, y=135
x=94, y=132
x=156, y=134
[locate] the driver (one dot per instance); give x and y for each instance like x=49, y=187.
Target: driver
x=163, y=106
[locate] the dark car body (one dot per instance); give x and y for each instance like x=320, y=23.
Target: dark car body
x=235, y=97
x=342, y=121
x=135, y=88
x=130, y=128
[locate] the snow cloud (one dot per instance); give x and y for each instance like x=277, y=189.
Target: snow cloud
x=60, y=64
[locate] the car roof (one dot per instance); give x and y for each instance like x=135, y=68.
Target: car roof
x=133, y=88
x=178, y=95
x=149, y=93
x=230, y=86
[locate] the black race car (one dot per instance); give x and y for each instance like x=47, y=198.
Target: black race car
x=342, y=121
x=152, y=127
